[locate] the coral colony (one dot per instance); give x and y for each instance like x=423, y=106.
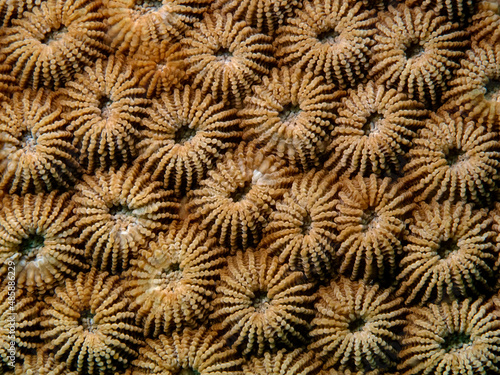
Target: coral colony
x=249, y=187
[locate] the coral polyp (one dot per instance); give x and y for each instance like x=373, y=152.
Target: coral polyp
x=235, y=200
x=88, y=325
x=226, y=57
x=261, y=304
x=39, y=240
x=36, y=152
x=172, y=282
x=184, y=134
x=328, y=38
x=356, y=326
x=118, y=212
x=452, y=338
x=291, y=115
x=104, y=107
x=56, y=39
x=302, y=230
x=417, y=52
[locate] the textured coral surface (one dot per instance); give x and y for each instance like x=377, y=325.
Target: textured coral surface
x=249, y=187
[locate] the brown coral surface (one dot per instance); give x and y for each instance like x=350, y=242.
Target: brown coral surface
x=264, y=15
x=134, y=23
x=374, y=128
x=156, y=68
x=187, y=352
x=259, y=186
x=454, y=10
x=296, y=362
x=476, y=88
x=42, y=363
x=485, y=23
x=370, y=225
x=450, y=252
x=454, y=158
x=20, y=324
